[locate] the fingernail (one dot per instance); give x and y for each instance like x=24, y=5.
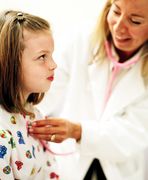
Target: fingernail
x=30, y=130
x=34, y=124
x=29, y=123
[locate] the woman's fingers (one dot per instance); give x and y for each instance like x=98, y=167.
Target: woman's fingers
x=49, y=121
x=43, y=129
x=48, y=130
x=48, y=137
x=40, y=130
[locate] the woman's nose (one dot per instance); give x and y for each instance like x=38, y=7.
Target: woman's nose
x=120, y=26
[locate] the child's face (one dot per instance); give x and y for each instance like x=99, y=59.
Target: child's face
x=37, y=62
x=128, y=24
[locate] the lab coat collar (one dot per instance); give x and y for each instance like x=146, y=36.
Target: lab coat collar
x=131, y=85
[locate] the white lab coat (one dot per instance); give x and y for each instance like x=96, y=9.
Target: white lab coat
x=118, y=137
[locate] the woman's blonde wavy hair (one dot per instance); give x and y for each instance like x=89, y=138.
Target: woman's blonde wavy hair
x=101, y=33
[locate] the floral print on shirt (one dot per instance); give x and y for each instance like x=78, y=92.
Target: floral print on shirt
x=22, y=156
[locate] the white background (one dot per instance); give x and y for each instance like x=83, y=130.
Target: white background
x=63, y=15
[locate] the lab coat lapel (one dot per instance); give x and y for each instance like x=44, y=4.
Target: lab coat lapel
x=127, y=90
x=98, y=76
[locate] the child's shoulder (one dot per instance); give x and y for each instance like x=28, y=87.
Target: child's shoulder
x=5, y=116
x=37, y=112
x=6, y=143
x=6, y=121
x=6, y=139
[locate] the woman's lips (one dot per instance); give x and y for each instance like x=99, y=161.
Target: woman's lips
x=119, y=39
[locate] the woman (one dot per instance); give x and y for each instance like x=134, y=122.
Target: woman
x=106, y=97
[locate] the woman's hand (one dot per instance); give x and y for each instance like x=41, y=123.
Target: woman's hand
x=55, y=129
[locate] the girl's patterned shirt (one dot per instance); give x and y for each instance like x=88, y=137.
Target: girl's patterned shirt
x=22, y=156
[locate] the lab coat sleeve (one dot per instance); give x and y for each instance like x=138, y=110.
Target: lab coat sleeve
x=119, y=137
x=5, y=155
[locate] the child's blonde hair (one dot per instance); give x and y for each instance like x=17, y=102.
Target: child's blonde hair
x=12, y=24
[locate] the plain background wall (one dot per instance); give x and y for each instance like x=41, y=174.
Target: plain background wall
x=63, y=15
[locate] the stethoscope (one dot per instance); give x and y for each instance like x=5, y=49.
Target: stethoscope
x=117, y=66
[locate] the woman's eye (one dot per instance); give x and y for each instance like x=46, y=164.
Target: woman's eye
x=136, y=22
x=116, y=12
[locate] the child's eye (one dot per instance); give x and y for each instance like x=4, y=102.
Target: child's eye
x=43, y=57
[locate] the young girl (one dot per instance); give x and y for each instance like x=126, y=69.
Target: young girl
x=26, y=72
